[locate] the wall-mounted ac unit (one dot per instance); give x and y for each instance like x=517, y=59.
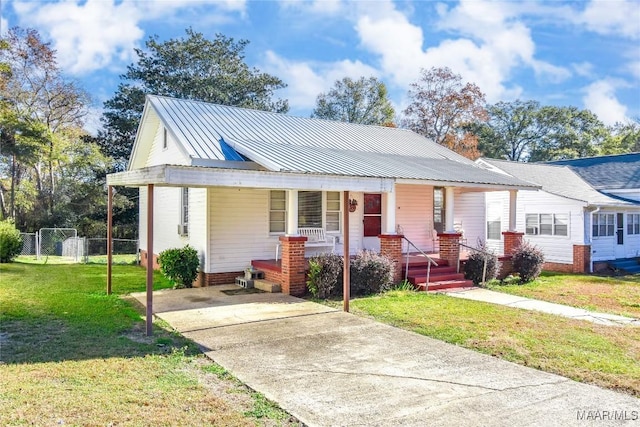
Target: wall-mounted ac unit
x=183, y=229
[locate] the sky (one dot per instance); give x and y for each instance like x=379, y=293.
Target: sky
x=566, y=53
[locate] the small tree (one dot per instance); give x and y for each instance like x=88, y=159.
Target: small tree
x=527, y=261
x=180, y=265
x=10, y=242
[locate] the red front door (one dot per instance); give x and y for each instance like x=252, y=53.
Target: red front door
x=372, y=215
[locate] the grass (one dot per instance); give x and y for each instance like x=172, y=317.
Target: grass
x=617, y=295
x=93, y=259
x=601, y=355
x=70, y=354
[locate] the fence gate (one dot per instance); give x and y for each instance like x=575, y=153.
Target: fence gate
x=52, y=242
x=29, y=243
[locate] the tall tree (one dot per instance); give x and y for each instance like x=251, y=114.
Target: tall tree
x=526, y=131
x=40, y=129
x=363, y=101
x=442, y=107
x=623, y=138
x=190, y=68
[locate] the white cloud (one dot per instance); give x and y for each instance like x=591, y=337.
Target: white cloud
x=601, y=99
x=306, y=80
x=491, y=43
x=4, y=25
x=619, y=17
x=584, y=69
x=93, y=34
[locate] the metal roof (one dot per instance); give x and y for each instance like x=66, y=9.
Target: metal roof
x=618, y=172
x=282, y=143
x=558, y=180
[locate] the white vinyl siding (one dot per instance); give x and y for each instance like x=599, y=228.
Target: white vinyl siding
x=166, y=214
x=159, y=155
x=414, y=214
x=546, y=224
x=470, y=211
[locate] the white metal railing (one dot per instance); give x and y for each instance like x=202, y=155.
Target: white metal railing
x=484, y=264
x=406, y=264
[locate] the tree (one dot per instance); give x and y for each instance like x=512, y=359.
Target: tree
x=190, y=68
x=361, y=101
x=623, y=138
x=40, y=133
x=526, y=131
x=442, y=108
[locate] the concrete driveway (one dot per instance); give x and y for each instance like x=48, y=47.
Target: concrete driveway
x=330, y=368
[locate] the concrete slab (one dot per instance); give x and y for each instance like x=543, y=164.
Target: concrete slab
x=330, y=368
x=486, y=295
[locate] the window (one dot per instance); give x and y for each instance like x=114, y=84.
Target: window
x=602, y=225
x=332, y=220
x=438, y=209
x=633, y=223
x=494, y=217
x=183, y=227
x=165, y=142
x=277, y=211
x=547, y=224
x=310, y=209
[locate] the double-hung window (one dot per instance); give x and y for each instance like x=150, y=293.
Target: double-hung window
x=494, y=223
x=633, y=224
x=547, y=224
x=603, y=225
x=183, y=227
x=277, y=211
x=315, y=209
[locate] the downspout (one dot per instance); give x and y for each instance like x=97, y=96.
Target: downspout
x=591, y=238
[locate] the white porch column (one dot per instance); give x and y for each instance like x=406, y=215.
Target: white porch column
x=513, y=198
x=390, y=223
x=292, y=213
x=448, y=203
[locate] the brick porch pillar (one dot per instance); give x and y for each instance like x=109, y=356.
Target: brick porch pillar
x=449, y=244
x=581, y=258
x=512, y=241
x=391, y=247
x=293, y=265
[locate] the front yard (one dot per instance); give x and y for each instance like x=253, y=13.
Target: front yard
x=72, y=355
x=607, y=356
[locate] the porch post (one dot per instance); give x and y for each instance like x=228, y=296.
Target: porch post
x=390, y=223
x=109, y=236
x=391, y=247
x=448, y=203
x=346, y=279
x=292, y=212
x=149, y=320
x=513, y=198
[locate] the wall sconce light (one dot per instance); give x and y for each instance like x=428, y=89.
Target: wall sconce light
x=353, y=204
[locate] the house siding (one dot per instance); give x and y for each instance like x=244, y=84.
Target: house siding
x=414, y=213
x=172, y=155
x=469, y=210
x=198, y=232
x=166, y=217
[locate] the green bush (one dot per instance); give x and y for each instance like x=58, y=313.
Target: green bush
x=527, y=261
x=370, y=273
x=325, y=273
x=474, y=266
x=180, y=265
x=10, y=241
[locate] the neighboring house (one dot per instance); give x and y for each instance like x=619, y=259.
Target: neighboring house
x=236, y=183
x=574, y=219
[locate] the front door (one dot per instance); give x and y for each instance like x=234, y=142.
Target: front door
x=620, y=248
x=372, y=221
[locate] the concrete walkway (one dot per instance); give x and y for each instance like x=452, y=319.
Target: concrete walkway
x=330, y=368
x=486, y=295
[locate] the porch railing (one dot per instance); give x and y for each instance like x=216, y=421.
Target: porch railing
x=484, y=264
x=406, y=264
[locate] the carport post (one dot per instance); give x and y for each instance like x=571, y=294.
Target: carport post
x=109, y=236
x=345, y=251
x=149, y=260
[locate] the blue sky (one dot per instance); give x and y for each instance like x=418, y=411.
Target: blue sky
x=585, y=54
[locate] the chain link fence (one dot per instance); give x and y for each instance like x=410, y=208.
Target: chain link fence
x=64, y=245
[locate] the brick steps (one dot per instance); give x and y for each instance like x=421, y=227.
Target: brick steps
x=442, y=276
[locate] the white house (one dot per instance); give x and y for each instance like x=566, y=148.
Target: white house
x=236, y=184
x=573, y=218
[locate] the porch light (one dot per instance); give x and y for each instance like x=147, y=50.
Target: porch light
x=353, y=204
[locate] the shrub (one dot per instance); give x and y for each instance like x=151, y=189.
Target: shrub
x=180, y=265
x=10, y=241
x=370, y=273
x=324, y=273
x=527, y=261
x=474, y=266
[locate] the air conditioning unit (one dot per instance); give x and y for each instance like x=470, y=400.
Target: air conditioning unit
x=183, y=229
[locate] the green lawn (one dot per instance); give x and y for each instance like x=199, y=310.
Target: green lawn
x=605, y=356
x=617, y=295
x=72, y=355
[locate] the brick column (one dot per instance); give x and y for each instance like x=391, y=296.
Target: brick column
x=293, y=265
x=449, y=244
x=512, y=241
x=391, y=247
x=581, y=258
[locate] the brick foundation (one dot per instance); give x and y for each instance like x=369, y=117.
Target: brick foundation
x=449, y=244
x=557, y=267
x=581, y=258
x=391, y=247
x=293, y=264
x=213, y=279
x=144, y=260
